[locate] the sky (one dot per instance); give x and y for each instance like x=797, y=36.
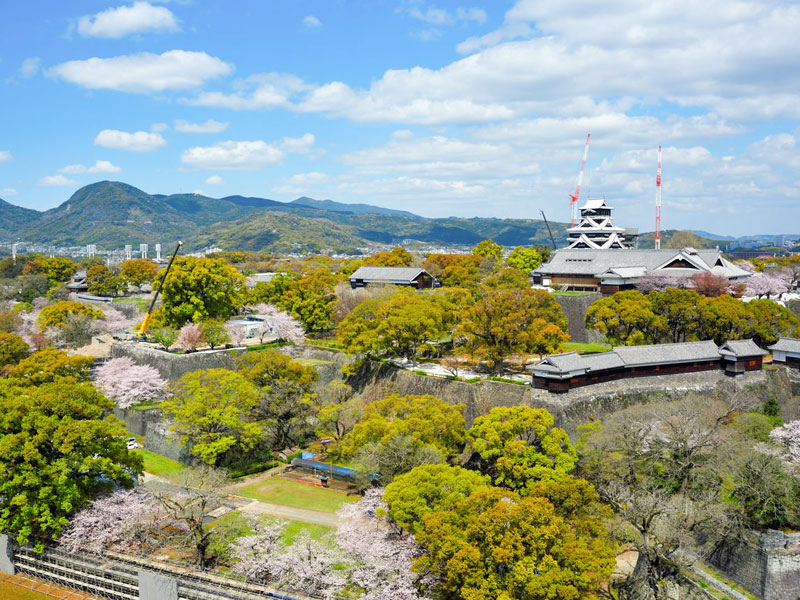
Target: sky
x=443, y=109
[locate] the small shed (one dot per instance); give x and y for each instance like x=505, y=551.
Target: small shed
x=407, y=276
x=786, y=351
x=739, y=356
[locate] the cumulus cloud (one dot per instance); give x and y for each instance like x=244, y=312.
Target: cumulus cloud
x=311, y=22
x=210, y=126
x=233, y=155
x=30, y=67
x=5, y=155
x=8, y=192
x=144, y=72
x=439, y=16
x=57, y=181
x=140, y=17
x=214, y=180
x=158, y=127
x=100, y=166
x=260, y=91
x=139, y=141
x=301, y=145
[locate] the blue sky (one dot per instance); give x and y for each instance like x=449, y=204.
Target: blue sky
x=446, y=108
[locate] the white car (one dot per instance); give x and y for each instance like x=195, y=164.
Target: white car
x=132, y=444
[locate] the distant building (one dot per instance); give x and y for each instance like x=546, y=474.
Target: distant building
x=406, y=276
x=610, y=271
x=786, y=351
x=78, y=282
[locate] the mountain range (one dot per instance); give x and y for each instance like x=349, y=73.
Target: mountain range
x=111, y=214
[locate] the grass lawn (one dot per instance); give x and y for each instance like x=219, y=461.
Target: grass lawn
x=312, y=362
x=291, y=531
x=286, y=492
x=160, y=465
x=581, y=348
x=559, y=293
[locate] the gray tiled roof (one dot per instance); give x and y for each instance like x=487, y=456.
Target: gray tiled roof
x=570, y=361
x=605, y=360
x=786, y=345
x=635, y=356
x=741, y=348
x=388, y=274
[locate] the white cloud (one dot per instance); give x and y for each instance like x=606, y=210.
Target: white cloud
x=158, y=127
x=100, y=166
x=311, y=22
x=8, y=192
x=143, y=73
x=5, y=155
x=210, y=126
x=214, y=180
x=261, y=91
x=118, y=22
x=439, y=16
x=30, y=67
x=57, y=181
x=233, y=155
x=139, y=141
x=301, y=145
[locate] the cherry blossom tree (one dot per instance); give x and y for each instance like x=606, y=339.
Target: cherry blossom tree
x=278, y=323
x=310, y=567
x=768, y=284
x=119, y=521
x=128, y=383
x=117, y=321
x=237, y=333
x=658, y=283
x=191, y=336
x=789, y=436
x=255, y=553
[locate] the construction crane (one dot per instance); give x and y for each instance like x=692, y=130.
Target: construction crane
x=552, y=241
x=658, y=202
x=573, y=198
x=142, y=335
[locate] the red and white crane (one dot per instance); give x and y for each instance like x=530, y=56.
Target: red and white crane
x=658, y=202
x=573, y=198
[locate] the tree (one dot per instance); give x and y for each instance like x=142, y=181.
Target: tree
x=200, y=288
x=191, y=336
x=50, y=365
x=507, y=277
x=76, y=331
x=310, y=567
x=710, y=285
x=401, y=324
x=165, y=336
x=652, y=282
x=32, y=286
x=393, y=455
x=789, y=436
x=279, y=323
x=128, y=383
x=215, y=333
x=426, y=419
x=104, y=283
x=339, y=415
x=723, y=318
x=58, y=451
x=429, y=488
x=493, y=544
x=211, y=409
x=58, y=292
x=525, y=259
x=769, y=321
x=454, y=270
x=680, y=311
x=510, y=321
x=519, y=446
x=286, y=393
x=310, y=300
x=57, y=269
x=626, y=318
x=138, y=271
x=397, y=257
x=767, y=494
x=12, y=349
x=255, y=553
x=489, y=249
x=55, y=315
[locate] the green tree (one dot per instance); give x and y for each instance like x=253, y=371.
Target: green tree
x=518, y=446
x=103, y=283
x=138, y=271
x=426, y=489
x=489, y=249
x=55, y=315
x=454, y=270
x=525, y=259
x=723, y=318
x=495, y=545
x=767, y=495
x=166, y=336
x=769, y=321
x=426, y=419
x=626, y=318
x=510, y=321
x=507, y=277
x=215, y=332
x=680, y=311
x=57, y=269
x=58, y=451
x=200, y=288
x=211, y=411
x=311, y=300
x=50, y=365
x=397, y=257
x=32, y=286
x=12, y=349
x=402, y=324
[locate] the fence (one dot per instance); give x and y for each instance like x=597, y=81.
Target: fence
x=119, y=577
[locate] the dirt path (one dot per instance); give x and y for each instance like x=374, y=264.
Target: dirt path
x=288, y=512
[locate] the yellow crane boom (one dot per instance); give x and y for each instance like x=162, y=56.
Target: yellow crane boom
x=142, y=335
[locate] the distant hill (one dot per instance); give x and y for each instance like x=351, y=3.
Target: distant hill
x=712, y=236
x=356, y=209
x=13, y=218
x=672, y=238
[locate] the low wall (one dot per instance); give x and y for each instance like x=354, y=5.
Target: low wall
x=766, y=564
x=574, y=308
x=172, y=366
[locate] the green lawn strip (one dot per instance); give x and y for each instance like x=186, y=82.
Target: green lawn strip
x=312, y=362
x=144, y=406
x=161, y=466
x=285, y=492
x=719, y=576
x=582, y=348
x=236, y=521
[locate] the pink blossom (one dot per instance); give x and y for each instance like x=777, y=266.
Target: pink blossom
x=128, y=383
x=789, y=436
x=278, y=323
x=237, y=333
x=255, y=553
x=310, y=567
x=116, y=321
x=190, y=337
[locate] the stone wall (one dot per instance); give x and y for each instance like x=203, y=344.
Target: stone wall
x=171, y=366
x=574, y=308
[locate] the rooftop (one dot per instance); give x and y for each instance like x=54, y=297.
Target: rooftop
x=387, y=273
x=786, y=345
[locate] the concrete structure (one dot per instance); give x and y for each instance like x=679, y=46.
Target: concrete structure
x=143, y=250
x=563, y=372
x=6, y=556
x=407, y=276
x=128, y=251
x=154, y=586
x=597, y=231
x=158, y=252
x=609, y=271
x=786, y=351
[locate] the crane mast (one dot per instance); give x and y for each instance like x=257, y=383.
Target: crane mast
x=658, y=202
x=142, y=334
x=573, y=198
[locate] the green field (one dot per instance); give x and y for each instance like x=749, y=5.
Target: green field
x=298, y=495
x=581, y=348
x=290, y=532
x=160, y=465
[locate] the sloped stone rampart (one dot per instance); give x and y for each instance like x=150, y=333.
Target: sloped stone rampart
x=574, y=308
x=172, y=366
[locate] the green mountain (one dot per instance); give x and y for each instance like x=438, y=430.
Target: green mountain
x=356, y=209
x=673, y=238
x=13, y=218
